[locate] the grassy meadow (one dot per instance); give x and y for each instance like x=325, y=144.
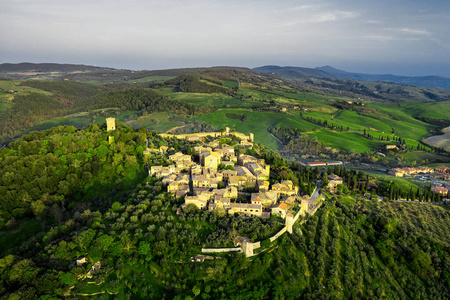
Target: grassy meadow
x=257, y=123
x=346, y=141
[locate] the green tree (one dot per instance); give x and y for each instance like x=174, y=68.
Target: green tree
x=144, y=249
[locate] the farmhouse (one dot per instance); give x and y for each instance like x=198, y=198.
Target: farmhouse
x=440, y=190
x=333, y=182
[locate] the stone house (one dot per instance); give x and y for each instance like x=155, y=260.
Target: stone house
x=245, y=209
x=280, y=210
x=333, y=181
x=285, y=188
x=244, y=159
x=263, y=186
x=195, y=200
x=260, y=172
x=440, y=190
x=267, y=199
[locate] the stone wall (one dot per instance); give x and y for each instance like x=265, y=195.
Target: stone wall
x=276, y=236
x=204, y=134
x=220, y=250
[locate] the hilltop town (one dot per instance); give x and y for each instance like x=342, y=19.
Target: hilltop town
x=214, y=178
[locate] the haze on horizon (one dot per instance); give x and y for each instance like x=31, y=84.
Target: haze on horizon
x=402, y=37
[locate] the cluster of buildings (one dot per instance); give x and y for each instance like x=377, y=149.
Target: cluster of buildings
x=442, y=172
x=400, y=172
x=323, y=164
x=214, y=182
x=246, y=141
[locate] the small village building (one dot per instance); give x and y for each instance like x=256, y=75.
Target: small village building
x=245, y=143
x=400, y=172
x=267, y=199
x=81, y=261
x=289, y=200
x=391, y=147
x=245, y=209
x=280, y=210
x=333, y=182
x=257, y=200
x=163, y=149
x=263, y=186
x=260, y=172
x=285, y=188
x=442, y=169
x=240, y=240
x=440, y=190
x=230, y=192
x=244, y=159
x=195, y=200
x=198, y=258
x=196, y=169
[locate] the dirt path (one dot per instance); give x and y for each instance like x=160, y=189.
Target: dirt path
x=175, y=128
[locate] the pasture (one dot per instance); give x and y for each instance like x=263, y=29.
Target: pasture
x=257, y=123
x=346, y=141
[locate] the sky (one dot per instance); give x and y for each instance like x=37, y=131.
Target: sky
x=402, y=37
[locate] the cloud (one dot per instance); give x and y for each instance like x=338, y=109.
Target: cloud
x=175, y=33
x=413, y=31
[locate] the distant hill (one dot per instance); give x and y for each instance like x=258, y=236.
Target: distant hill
x=294, y=71
x=330, y=72
x=422, y=81
x=47, y=67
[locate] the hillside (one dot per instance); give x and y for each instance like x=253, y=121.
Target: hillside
x=83, y=219
x=355, y=120
x=437, y=82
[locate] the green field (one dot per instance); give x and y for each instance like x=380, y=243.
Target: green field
x=156, y=121
x=13, y=85
x=433, y=110
x=257, y=123
x=230, y=84
x=156, y=79
x=346, y=141
x=354, y=120
x=10, y=88
x=405, y=125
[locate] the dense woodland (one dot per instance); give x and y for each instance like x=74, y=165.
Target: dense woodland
x=71, y=97
x=195, y=83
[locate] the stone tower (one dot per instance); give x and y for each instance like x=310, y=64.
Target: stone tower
x=227, y=131
x=251, y=137
x=247, y=247
x=304, y=207
x=110, y=124
x=289, y=222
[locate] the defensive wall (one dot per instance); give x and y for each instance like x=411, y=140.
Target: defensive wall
x=205, y=134
x=221, y=250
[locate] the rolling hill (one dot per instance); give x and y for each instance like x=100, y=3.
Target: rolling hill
x=330, y=72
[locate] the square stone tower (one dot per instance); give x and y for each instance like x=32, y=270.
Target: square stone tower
x=110, y=124
x=251, y=137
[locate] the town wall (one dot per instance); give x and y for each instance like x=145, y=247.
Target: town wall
x=220, y=250
x=276, y=236
x=203, y=134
